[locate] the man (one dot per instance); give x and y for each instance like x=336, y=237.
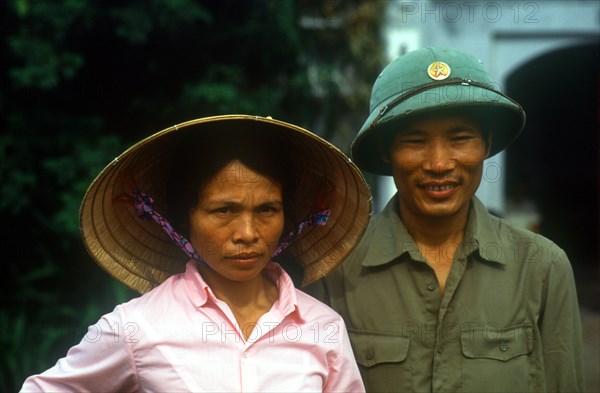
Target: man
x=440, y=295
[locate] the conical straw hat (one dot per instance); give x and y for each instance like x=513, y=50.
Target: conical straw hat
x=138, y=253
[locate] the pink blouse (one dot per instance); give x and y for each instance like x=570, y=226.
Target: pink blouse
x=180, y=337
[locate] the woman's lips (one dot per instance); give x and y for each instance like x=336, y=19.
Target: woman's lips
x=245, y=257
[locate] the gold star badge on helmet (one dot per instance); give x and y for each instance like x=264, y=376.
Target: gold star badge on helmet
x=438, y=70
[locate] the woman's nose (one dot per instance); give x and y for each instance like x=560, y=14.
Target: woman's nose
x=245, y=229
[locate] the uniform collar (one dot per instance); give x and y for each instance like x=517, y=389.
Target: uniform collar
x=390, y=239
x=482, y=235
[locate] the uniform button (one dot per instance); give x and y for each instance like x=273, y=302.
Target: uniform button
x=245, y=354
x=431, y=287
x=370, y=355
x=503, y=347
x=440, y=350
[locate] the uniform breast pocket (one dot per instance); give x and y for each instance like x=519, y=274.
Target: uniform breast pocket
x=382, y=360
x=497, y=360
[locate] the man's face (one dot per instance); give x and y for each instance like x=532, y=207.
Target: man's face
x=437, y=165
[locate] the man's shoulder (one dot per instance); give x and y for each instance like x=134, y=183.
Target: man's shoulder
x=517, y=234
x=353, y=267
x=521, y=244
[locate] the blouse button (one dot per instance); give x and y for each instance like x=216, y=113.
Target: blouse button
x=503, y=347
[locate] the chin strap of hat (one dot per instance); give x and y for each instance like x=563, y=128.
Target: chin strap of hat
x=318, y=218
x=315, y=219
x=144, y=207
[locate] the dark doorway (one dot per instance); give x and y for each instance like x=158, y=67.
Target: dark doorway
x=555, y=161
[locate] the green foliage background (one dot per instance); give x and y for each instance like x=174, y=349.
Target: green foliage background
x=82, y=80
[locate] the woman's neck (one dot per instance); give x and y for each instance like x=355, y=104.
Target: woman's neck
x=238, y=293
x=248, y=300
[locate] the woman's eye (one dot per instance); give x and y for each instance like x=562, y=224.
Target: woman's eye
x=268, y=209
x=222, y=210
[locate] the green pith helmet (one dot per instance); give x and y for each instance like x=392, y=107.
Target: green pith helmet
x=431, y=80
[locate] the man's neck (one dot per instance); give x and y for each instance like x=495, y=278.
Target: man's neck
x=437, y=238
x=433, y=231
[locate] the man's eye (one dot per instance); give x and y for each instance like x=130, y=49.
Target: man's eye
x=412, y=141
x=222, y=210
x=462, y=138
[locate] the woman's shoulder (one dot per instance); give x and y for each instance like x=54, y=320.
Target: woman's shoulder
x=157, y=301
x=312, y=309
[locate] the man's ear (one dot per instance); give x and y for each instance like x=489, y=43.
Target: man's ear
x=489, y=144
x=384, y=152
x=385, y=155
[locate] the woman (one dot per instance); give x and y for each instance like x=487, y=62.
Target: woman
x=222, y=315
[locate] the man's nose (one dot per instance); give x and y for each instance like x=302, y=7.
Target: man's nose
x=439, y=158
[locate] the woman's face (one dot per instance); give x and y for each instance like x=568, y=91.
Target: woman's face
x=237, y=222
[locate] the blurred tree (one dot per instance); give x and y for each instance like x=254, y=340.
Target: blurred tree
x=343, y=54
x=81, y=80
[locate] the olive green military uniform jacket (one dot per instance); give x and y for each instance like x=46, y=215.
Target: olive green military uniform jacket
x=508, y=320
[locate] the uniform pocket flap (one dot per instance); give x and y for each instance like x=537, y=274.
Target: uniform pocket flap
x=498, y=344
x=372, y=348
